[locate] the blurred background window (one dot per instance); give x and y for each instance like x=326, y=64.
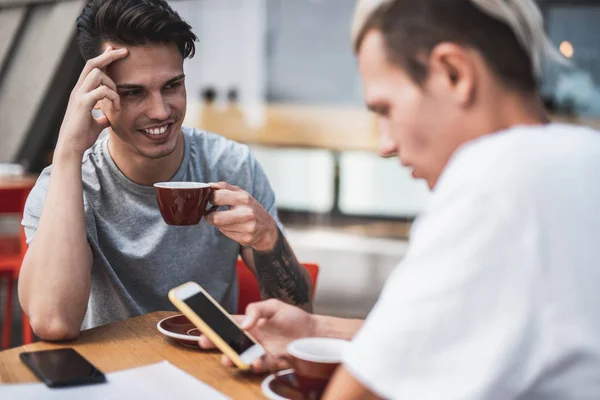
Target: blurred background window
x=309, y=55
x=573, y=26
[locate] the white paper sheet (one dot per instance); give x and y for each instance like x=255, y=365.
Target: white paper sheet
x=161, y=381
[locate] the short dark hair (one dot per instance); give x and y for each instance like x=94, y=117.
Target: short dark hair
x=134, y=23
x=412, y=28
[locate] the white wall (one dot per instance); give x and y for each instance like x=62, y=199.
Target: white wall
x=231, y=47
x=302, y=179
x=310, y=57
x=370, y=185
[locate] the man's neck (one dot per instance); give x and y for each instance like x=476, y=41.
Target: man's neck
x=515, y=109
x=504, y=111
x=144, y=170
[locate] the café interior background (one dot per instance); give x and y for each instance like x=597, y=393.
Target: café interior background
x=280, y=76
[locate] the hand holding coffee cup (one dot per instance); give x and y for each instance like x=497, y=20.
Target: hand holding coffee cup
x=245, y=220
x=184, y=203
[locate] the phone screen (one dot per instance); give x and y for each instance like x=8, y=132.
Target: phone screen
x=62, y=367
x=219, y=322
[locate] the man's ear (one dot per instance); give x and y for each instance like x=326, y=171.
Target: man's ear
x=454, y=68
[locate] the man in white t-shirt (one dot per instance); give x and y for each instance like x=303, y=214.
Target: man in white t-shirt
x=498, y=295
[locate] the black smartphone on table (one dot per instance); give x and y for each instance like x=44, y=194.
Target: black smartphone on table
x=62, y=367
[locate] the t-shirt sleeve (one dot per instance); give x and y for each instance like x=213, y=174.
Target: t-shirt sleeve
x=456, y=319
x=34, y=205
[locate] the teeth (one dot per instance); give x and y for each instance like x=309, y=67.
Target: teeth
x=157, y=131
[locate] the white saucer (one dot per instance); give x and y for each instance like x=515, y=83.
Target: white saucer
x=266, y=389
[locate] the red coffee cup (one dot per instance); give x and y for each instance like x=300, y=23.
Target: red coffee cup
x=183, y=203
x=314, y=361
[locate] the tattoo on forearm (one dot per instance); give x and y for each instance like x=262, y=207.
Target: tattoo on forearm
x=280, y=274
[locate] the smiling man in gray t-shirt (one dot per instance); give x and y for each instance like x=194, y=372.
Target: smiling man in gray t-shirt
x=137, y=257
x=99, y=250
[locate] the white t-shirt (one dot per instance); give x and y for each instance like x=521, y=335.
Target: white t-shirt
x=499, y=294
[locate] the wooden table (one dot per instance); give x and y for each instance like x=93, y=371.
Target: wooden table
x=136, y=342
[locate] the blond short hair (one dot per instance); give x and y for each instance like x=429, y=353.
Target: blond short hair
x=523, y=17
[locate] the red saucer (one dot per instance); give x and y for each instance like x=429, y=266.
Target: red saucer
x=180, y=328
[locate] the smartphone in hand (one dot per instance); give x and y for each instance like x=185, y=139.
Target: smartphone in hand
x=217, y=324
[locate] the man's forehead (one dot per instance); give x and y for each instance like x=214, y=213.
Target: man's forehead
x=378, y=72
x=147, y=63
x=372, y=45
x=372, y=57
x=146, y=77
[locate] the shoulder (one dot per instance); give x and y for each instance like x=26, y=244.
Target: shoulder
x=213, y=146
x=522, y=159
x=221, y=158
x=92, y=161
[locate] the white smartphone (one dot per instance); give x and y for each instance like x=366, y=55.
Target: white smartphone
x=217, y=324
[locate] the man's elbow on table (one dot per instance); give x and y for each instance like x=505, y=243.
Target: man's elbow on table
x=55, y=311
x=53, y=328
x=49, y=320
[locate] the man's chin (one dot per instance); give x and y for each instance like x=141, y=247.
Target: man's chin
x=156, y=154
x=418, y=175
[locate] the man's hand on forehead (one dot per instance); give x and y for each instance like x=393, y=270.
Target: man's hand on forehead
x=80, y=128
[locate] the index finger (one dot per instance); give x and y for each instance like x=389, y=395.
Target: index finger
x=109, y=56
x=226, y=197
x=224, y=185
x=257, y=311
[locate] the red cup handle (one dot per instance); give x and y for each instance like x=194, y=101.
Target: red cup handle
x=214, y=207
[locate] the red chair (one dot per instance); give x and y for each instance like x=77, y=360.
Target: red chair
x=10, y=261
x=12, y=250
x=248, y=289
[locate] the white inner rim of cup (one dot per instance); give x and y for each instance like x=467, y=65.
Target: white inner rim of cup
x=322, y=350
x=181, y=185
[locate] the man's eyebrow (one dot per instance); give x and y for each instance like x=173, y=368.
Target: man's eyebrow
x=372, y=107
x=129, y=86
x=134, y=86
x=177, y=78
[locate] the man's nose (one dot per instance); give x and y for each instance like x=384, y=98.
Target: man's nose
x=158, y=108
x=387, y=146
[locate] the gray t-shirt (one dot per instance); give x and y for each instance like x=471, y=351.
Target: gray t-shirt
x=137, y=257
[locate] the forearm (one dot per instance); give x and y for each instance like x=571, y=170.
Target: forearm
x=339, y=328
x=54, y=284
x=281, y=276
